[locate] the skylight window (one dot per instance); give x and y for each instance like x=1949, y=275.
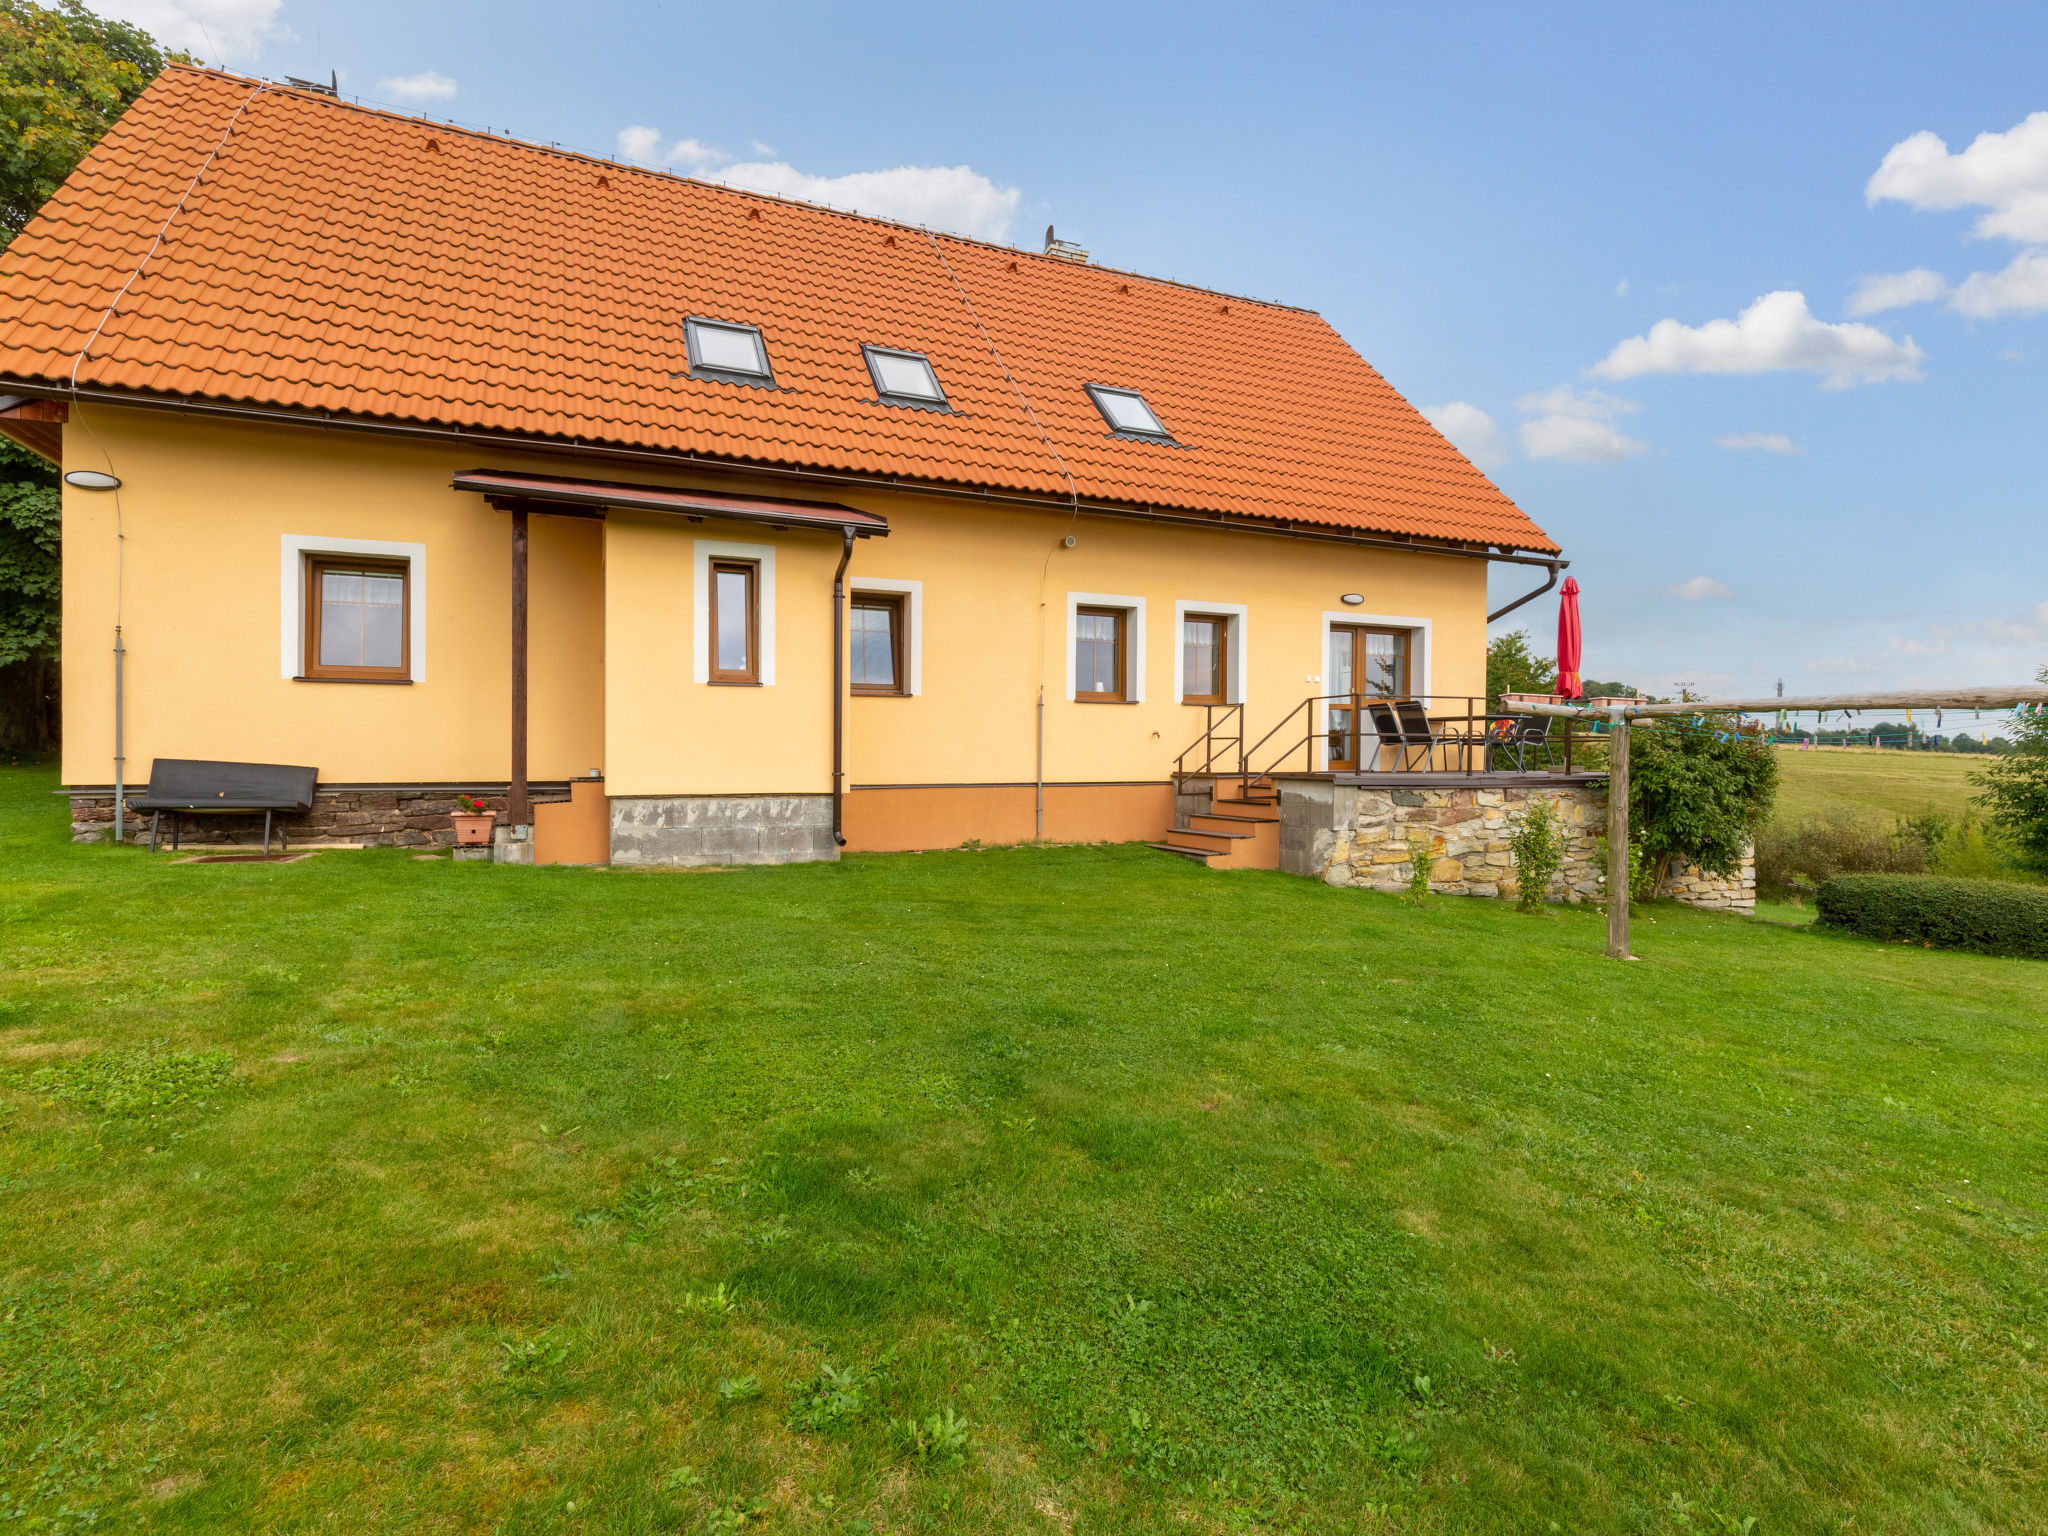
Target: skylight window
x=1127, y=413
x=904, y=378
x=732, y=354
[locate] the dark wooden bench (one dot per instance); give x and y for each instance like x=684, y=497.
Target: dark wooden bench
x=186, y=787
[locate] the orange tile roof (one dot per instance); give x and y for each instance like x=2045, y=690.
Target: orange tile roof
x=331, y=258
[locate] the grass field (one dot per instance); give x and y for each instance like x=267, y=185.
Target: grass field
x=1880, y=785
x=1034, y=1190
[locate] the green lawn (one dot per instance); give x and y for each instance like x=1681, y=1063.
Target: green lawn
x=1050, y=1191
x=1878, y=785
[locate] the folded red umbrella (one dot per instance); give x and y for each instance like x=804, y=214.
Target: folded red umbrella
x=1568, y=684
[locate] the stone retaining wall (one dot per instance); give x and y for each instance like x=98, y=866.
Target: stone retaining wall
x=403, y=818
x=1353, y=835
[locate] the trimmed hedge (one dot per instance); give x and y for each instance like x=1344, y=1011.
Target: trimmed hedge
x=1993, y=917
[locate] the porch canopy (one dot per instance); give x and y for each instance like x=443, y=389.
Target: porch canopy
x=510, y=490
x=503, y=486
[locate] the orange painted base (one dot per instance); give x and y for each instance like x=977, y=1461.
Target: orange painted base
x=947, y=815
x=577, y=830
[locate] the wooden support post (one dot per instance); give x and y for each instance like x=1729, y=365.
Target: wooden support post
x=1617, y=842
x=517, y=812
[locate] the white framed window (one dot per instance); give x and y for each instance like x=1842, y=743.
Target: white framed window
x=1113, y=651
x=1233, y=668
x=912, y=595
x=296, y=552
x=725, y=554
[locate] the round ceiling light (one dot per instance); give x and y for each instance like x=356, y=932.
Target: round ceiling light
x=1353, y=599
x=92, y=480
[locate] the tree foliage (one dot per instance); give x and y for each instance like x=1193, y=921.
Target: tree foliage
x=29, y=569
x=2016, y=786
x=1702, y=795
x=1511, y=667
x=65, y=76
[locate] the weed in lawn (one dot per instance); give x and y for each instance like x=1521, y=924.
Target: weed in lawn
x=737, y=1516
x=531, y=1364
x=719, y=1301
x=835, y=1397
x=738, y=1389
x=941, y=1440
x=134, y=1083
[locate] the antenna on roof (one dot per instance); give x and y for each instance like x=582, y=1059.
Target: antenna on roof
x=1063, y=250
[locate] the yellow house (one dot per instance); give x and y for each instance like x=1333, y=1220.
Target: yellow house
x=693, y=525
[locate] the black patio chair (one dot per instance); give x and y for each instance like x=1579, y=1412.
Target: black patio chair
x=1530, y=733
x=1416, y=733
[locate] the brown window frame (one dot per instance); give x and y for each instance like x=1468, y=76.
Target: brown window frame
x=898, y=606
x=1122, y=616
x=750, y=675
x=1222, y=623
x=310, y=664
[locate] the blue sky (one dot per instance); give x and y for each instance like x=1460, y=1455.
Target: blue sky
x=1529, y=219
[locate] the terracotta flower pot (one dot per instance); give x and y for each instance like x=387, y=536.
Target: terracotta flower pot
x=472, y=830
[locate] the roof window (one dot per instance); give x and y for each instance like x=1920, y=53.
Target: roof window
x=1127, y=414
x=728, y=353
x=905, y=378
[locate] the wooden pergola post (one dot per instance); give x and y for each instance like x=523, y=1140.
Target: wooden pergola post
x=517, y=812
x=1617, y=842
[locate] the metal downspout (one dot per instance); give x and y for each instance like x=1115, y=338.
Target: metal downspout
x=1556, y=568
x=839, y=691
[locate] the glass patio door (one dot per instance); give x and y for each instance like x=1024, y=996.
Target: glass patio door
x=1364, y=664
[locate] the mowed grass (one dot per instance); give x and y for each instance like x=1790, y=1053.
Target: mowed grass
x=1034, y=1190
x=1876, y=785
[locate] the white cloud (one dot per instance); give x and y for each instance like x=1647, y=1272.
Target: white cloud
x=1476, y=435
x=1778, y=332
x=1879, y=291
x=643, y=146
x=1621, y=289
x=2021, y=289
x=1576, y=425
x=1699, y=587
x=2006, y=173
x=427, y=85
x=218, y=31
x=950, y=197
x=1758, y=442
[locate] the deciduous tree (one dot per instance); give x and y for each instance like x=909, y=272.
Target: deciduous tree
x=2016, y=786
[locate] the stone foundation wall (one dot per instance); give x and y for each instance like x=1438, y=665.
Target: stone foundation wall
x=403, y=818
x=1350, y=835
x=692, y=830
x=1720, y=893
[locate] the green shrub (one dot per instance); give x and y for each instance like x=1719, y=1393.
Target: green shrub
x=1539, y=849
x=1421, y=862
x=1699, y=793
x=1992, y=917
x=1812, y=852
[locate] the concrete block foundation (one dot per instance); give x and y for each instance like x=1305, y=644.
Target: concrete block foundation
x=686, y=831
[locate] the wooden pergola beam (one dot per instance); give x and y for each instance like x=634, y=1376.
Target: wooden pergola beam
x=1827, y=704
